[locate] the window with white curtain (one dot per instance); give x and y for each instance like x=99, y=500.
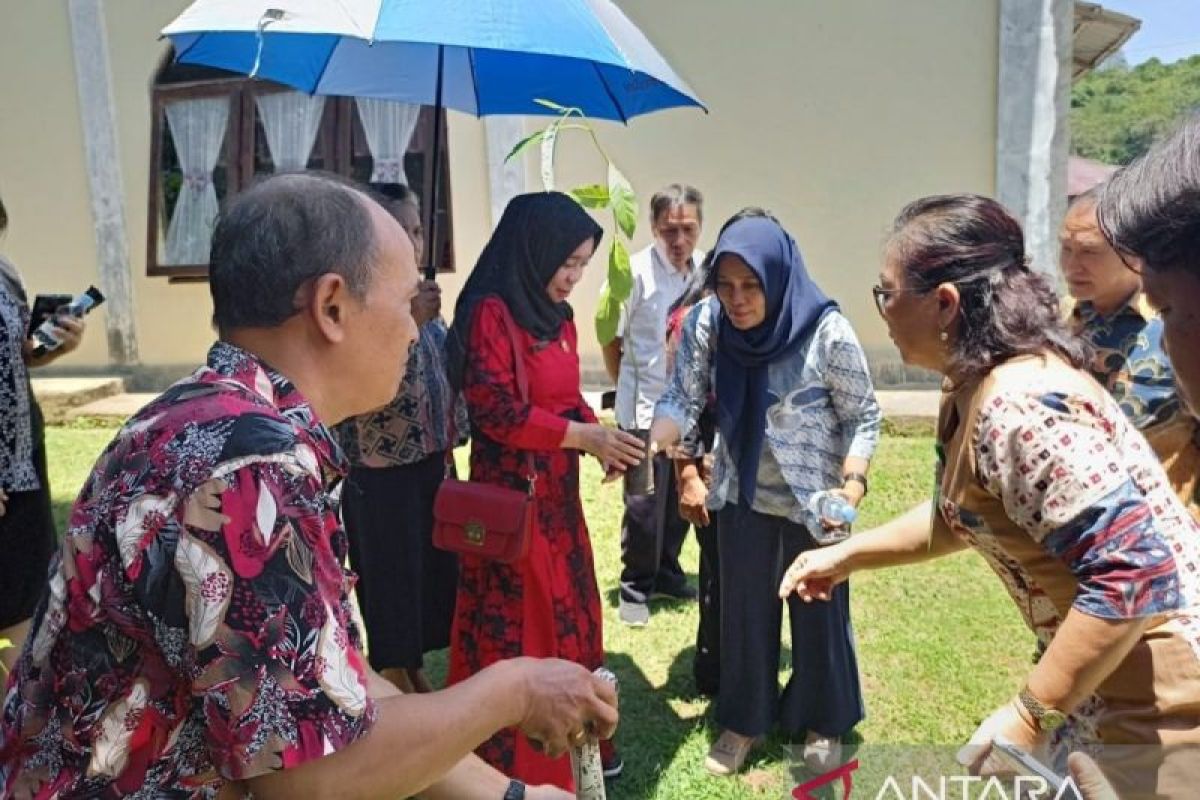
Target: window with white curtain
x=213, y=132
x=389, y=129
x=197, y=128
x=290, y=121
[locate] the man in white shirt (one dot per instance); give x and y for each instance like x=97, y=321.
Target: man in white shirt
x=652, y=532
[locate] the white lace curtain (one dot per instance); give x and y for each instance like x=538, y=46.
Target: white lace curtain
x=290, y=121
x=389, y=128
x=197, y=129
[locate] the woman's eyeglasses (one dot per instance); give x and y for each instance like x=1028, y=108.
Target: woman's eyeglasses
x=881, y=296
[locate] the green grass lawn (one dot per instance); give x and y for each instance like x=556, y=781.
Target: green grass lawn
x=940, y=645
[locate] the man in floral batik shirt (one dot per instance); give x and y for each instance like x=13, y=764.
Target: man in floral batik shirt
x=196, y=638
x=1112, y=314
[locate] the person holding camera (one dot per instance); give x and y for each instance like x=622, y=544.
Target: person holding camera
x=27, y=533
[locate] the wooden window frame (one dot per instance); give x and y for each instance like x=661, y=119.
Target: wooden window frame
x=335, y=138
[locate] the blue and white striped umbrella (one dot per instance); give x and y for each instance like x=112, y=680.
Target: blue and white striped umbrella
x=476, y=56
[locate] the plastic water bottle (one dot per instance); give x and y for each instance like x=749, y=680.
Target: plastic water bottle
x=828, y=505
x=585, y=759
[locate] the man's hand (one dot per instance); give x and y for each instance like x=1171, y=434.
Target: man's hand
x=693, y=494
x=547, y=792
x=612, y=358
x=1090, y=780
x=428, y=302
x=564, y=700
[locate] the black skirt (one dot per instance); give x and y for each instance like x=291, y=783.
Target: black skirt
x=406, y=587
x=27, y=537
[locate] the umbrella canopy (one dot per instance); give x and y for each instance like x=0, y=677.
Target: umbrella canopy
x=494, y=57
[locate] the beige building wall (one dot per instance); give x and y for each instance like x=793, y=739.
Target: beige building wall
x=832, y=115
x=43, y=174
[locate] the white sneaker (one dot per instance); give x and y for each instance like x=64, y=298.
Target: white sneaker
x=822, y=753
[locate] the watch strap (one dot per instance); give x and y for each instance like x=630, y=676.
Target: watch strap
x=857, y=477
x=515, y=791
x=1047, y=718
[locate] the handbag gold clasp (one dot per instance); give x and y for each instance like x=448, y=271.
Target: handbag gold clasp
x=476, y=532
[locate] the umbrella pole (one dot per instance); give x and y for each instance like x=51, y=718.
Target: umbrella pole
x=430, y=251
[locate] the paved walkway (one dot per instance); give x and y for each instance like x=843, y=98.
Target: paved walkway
x=59, y=397
x=117, y=408
x=915, y=405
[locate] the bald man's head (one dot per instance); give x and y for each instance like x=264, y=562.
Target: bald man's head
x=277, y=236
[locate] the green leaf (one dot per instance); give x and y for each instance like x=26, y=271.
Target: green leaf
x=608, y=316
x=620, y=276
x=623, y=201
x=615, y=292
x=521, y=146
x=551, y=105
x=591, y=196
x=548, y=142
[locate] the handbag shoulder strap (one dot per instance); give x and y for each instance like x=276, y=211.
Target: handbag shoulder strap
x=510, y=325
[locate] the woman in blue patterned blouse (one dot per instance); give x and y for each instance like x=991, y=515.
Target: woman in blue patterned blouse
x=796, y=414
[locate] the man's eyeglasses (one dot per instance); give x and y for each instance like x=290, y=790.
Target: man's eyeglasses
x=881, y=295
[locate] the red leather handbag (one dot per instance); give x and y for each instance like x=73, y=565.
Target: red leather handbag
x=482, y=519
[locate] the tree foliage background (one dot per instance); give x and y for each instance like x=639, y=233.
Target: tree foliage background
x=1117, y=111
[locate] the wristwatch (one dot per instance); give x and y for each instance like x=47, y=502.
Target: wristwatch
x=1046, y=718
x=857, y=477
x=515, y=791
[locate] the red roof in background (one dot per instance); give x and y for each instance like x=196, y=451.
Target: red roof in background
x=1084, y=173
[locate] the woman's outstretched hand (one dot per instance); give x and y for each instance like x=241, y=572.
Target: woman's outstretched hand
x=814, y=573
x=615, y=448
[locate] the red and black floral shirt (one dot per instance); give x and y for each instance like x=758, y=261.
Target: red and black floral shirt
x=197, y=628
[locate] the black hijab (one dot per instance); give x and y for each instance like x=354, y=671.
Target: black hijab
x=536, y=235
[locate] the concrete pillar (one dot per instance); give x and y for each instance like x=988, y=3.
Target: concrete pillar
x=1032, y=133
x=93, y=81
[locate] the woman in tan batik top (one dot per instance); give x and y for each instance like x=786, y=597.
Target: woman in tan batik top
x=1041, y=473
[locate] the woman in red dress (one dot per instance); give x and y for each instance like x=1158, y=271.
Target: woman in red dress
x=547, y=605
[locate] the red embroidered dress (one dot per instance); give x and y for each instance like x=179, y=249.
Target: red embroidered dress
x=197, y=627
x=549, y=604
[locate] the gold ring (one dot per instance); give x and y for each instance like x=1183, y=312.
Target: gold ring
x=579, y=737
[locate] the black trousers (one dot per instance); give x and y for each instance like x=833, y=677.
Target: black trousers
x=706, y=664
x=406, y=587
x=823, y=694
x=27, y=537
x=652, y=534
